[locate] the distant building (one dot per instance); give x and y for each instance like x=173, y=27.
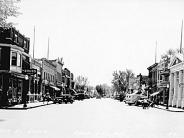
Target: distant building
x=48, y=77
x=59, y=70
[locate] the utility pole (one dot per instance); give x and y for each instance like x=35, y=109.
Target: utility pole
x=48, y=50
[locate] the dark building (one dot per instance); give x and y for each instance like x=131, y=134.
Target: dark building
x=35, y=82
x=152, y=78
x=67, y=81
x=14, y=58
x=163, y=81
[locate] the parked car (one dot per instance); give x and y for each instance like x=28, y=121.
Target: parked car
x=67, y=98
x=79, y=96
x=121, y=97
x=58, y=100
x=134, y=97
x=117, y=97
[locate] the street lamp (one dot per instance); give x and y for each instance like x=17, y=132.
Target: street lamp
x=167, y=105
x=25, y=102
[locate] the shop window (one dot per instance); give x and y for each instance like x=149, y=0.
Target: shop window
x=14, y=58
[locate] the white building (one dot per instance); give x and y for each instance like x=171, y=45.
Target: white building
x=176, y=93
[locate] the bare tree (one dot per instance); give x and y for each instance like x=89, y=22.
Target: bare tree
x=121, y=79
x=81, y=82
x=8, y=9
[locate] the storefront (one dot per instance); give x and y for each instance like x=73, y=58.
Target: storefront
x=11, y=88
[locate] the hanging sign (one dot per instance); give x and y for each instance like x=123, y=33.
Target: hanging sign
x=29, y=71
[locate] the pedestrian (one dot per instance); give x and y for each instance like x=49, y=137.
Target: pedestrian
x=47, y=97
x=145, y=104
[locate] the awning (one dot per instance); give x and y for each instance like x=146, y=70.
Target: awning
x=155, y=93
x=73, y=91
x=55, y=88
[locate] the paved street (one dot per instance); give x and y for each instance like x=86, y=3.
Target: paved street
x=93, y=118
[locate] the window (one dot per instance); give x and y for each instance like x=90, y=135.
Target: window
x=18, y=60
x=15, y=38
x=25, y=43
x=0, y=56
x=14, y=58
x=20, y=41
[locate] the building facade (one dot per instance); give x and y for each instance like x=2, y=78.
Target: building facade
x=59, y=69
x=48, y=77
x=176, y=91
x=163, y=73
x=152, y=77
x=14, y=59
x=35, y=93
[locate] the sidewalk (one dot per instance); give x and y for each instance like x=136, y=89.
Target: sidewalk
x=29, y=106
x=171, y=109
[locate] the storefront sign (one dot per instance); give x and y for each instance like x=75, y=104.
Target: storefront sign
x=29, y=71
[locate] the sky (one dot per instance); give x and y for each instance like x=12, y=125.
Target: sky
x=97, y=37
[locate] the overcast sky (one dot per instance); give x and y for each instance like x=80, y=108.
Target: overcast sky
x=97, y=37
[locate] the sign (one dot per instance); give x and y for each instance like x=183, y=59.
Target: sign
x=29, y=71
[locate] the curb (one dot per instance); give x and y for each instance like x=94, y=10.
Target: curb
x=16, y=108
x=167, y=109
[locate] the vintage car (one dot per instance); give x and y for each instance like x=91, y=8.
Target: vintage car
x=79, y=96
x=58, y=100
x=67, y=98
x=134, y=97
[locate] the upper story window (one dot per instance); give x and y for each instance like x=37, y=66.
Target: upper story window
x=18, y=60
x=15, y=38
x=14, y=59
x=25, y=43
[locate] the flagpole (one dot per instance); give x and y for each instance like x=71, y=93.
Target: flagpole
x=34, y=42
x=181, y=37
x=156, y=52
x=48, y=50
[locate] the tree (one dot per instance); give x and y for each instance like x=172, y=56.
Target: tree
x=8, y=9
x=166, y=57
x=107, y=90
x=99, y=90
x=121, y=80
x=81, y=82
x=169, y=54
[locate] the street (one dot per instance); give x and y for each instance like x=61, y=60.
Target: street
x=93, y=118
